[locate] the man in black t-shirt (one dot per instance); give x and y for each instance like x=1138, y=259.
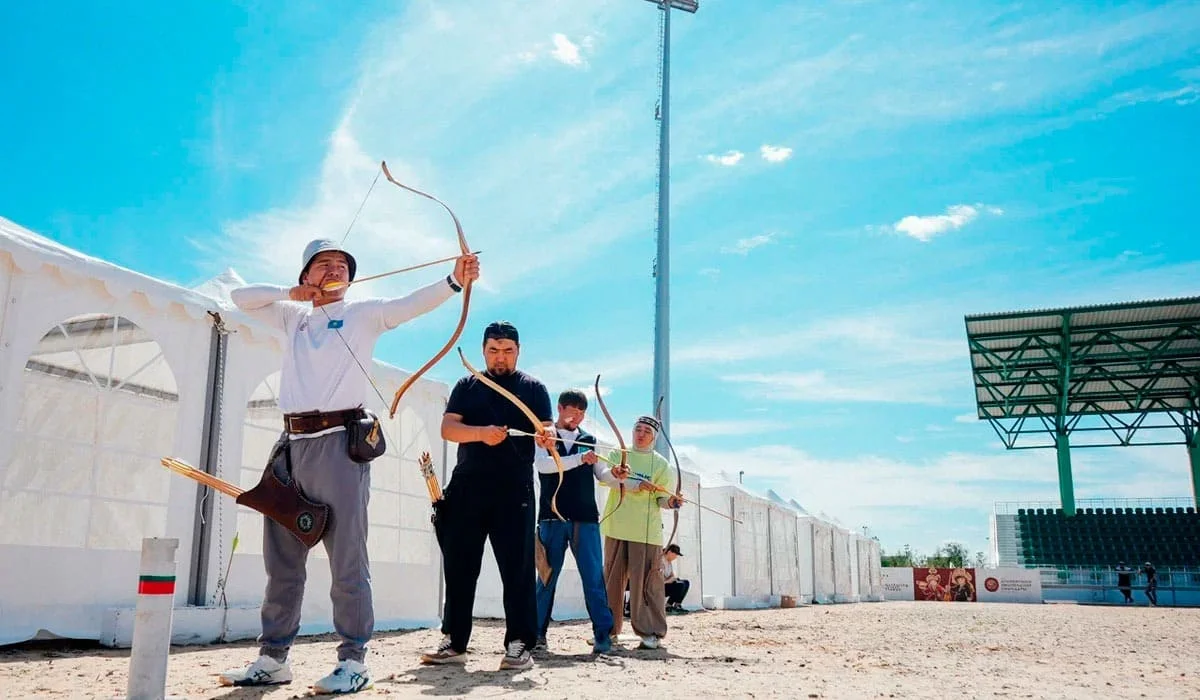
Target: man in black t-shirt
x=1151, y=583
x=1125, y=581
x=490, y=497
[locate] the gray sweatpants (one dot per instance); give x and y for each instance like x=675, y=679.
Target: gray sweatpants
x=326, y=474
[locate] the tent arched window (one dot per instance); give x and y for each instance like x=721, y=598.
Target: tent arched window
x=98, y=408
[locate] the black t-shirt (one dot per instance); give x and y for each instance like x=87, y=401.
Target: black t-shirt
x=479, y=404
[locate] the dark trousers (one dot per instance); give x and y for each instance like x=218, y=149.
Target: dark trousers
x=676, y=591
x=476, y=510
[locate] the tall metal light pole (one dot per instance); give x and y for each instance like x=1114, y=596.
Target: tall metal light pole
x=662, y=267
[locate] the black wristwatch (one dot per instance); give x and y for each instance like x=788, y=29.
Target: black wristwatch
x=450, y=281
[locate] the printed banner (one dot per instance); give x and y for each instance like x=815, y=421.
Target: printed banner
x=949, y=585
x=897, y=583
x=1010, y=586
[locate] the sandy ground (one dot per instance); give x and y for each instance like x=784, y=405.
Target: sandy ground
x=935, y=650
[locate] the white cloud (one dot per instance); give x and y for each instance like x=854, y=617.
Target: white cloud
x=710, y=272
x=967, y=418
x=775, y=154
x=886, y=491
x=925, y=228
x=565, y=51
x=729, y=159
x=745, y=245
x=842, y=386
x=881, y=341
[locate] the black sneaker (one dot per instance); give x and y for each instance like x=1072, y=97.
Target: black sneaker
x=444, y=653
x=517, y=657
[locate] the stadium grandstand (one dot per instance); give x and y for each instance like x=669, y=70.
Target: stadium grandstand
x=1118, y=375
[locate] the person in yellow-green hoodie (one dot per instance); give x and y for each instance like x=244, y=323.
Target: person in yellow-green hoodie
x=633, y=537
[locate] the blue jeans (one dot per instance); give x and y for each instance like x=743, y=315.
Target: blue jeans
x=584, y=539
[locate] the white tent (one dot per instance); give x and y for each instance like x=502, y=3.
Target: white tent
x=737, y=555
x=103, y=372
x=802, y=549
x=843, y=585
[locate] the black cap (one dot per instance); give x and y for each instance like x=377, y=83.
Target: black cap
x=501, y=330
x=673, y=548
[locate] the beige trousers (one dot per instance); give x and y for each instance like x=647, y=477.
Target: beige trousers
x=638, y=564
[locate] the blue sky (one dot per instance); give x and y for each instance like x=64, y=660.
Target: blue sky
x=849, y=179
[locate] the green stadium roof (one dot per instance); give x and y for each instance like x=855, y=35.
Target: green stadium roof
x=1055, y=365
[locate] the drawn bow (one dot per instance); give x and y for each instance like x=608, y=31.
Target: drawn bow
x=537, y=424
x=678, y=471
x=466, y=297
x=620, y=441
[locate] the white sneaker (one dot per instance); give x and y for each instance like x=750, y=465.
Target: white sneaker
x=649, y=642
x=264, y=671
x=517, y=657
x=348, y=676
x=444, y=654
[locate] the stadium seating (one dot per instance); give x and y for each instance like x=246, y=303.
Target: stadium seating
x=1100, y=537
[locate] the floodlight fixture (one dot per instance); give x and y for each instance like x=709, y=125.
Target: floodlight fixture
x=685, y=5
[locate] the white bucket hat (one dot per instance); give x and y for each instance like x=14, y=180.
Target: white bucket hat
x=321, y=245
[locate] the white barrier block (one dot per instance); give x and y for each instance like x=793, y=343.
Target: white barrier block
x=152, y=621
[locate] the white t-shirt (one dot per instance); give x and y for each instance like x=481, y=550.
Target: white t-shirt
x=319, y=373
x=545, y=464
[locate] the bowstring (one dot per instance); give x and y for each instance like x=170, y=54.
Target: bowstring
x=329, y=319
x=360, y=206
x=355, y=358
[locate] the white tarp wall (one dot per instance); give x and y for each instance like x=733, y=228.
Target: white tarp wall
x=96, y=383
x=863, y=567
x=717, y=543
x=737, y=555
x=103, y=372
x=751, y=545
x=804, y=554
x=822, y=551
x=785, y=552
x=876, y=580
x=843, y=591
x=852, y=555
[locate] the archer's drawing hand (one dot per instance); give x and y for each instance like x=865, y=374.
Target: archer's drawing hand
x=646, y=486
x=545, y=439
x=304, y=292
x=492, y=435
x=588, y=457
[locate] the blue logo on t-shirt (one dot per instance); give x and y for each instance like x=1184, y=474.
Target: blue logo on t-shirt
x=334, y=323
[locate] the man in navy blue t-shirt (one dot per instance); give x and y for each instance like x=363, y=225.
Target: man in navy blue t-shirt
x=490, y=497
x=580, y=528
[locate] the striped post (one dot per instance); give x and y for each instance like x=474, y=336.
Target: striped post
x=152, y=619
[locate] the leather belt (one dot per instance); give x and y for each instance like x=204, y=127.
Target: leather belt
x=315, y=422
